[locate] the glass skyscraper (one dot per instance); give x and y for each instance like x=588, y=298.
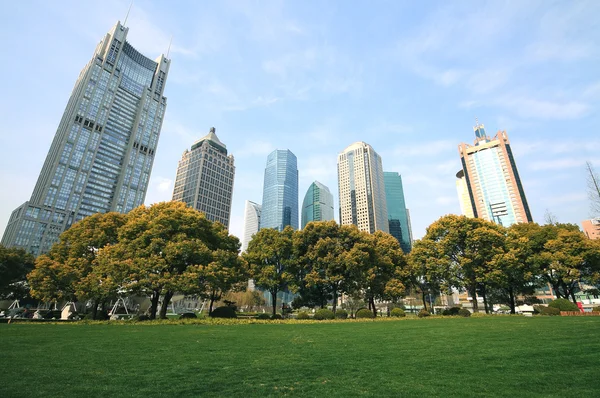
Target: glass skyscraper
x=317, y=204
x=492, y=180
x=205, y=178
x=280, y=191
x=362, y=188
x=251, y=222
x=102, y=154
x=398, y=217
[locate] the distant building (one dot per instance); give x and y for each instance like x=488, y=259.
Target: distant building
x=317, y=204
x=492, y=180
x=103, y=150
x=398, y=216
x=362, y=188
x=251, y=222
x=591, y=228
x=205, y=178
x=280, y=191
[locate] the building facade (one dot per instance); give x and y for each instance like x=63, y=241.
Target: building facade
x=103, y=150
x=280, y=191
x=362, y=188
x=463, y=194
x=398, y=216
x=205, y=178
x=591, y=228
x=492, y=179
x=251, y=222
x=317, y=204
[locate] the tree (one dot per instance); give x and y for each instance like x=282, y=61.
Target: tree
x=426, y=273
x=164, y=248
x=269, y=256
x=593, y=188
x=379, y=266
x=65, y=272
x=15, y=264
x=463, y=247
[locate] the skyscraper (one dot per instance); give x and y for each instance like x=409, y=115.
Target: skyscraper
x=205, y=178
x=398, y=217
x=492, y=179
x=251, y=222
x=101, y=156
x=362, y=188
x=591, y=228
x=463, y=194
x=317, y=204
x=280, y=191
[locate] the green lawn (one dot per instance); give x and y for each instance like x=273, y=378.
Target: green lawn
x=490, y=356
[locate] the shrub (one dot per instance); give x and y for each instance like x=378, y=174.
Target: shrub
x=140, y=318
x=398, y=313
x=276, y=316
x=263, y=316
x=323, y=313
x=451, y=311
x=563, y=305
x=303, y=315
x=224, y=312
x=464, y=312
x=364, y=313
x=423, y=313
x=188, y=315
x=543, y=310
x=596, y=309
x=341, y=314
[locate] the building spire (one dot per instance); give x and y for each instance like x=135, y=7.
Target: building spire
x=127, y=16
x=169, y=49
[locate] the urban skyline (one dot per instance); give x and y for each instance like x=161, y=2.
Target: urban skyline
x=272, y=82
x=102, y=153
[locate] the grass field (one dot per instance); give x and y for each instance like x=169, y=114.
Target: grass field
x=484, y=357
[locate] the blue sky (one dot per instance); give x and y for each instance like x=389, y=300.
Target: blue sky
x=314, y=77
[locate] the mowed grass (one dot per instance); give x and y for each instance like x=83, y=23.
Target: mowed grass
x=476, y=357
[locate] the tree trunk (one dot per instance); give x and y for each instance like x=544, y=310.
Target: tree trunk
x=165, y=304
x=511, y=300
x=424, y=299
x=212, y=302
x=334, y=299
x=154, y=303
x=372, y=304
x=274, y=301
x=573, y=297
x=485, y=303
x=473, y=291
x=95, y=308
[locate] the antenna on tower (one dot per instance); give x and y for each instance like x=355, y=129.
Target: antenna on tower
x=476, y=122
x=127, y=16
x=169, y=49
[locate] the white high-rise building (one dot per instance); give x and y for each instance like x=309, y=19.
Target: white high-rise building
x=103, y=150
x=205, y=178
x=362, y=188
x=251, y=222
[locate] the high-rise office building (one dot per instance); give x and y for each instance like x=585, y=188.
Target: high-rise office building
x=251, y=222
x=205, y=178
x=280, y=191
x=362, y=188
x=398, y=217
x=317, y=204
x=463, y=194
x=101, y=156
x=492, y=179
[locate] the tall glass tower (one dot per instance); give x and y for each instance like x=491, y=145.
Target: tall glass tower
x=280, y=191
x=103, y=150
x=362, y=188
x=205, y=178
x=492, y=180
x=317, y=204
x=251, y=222
x=398, y=217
